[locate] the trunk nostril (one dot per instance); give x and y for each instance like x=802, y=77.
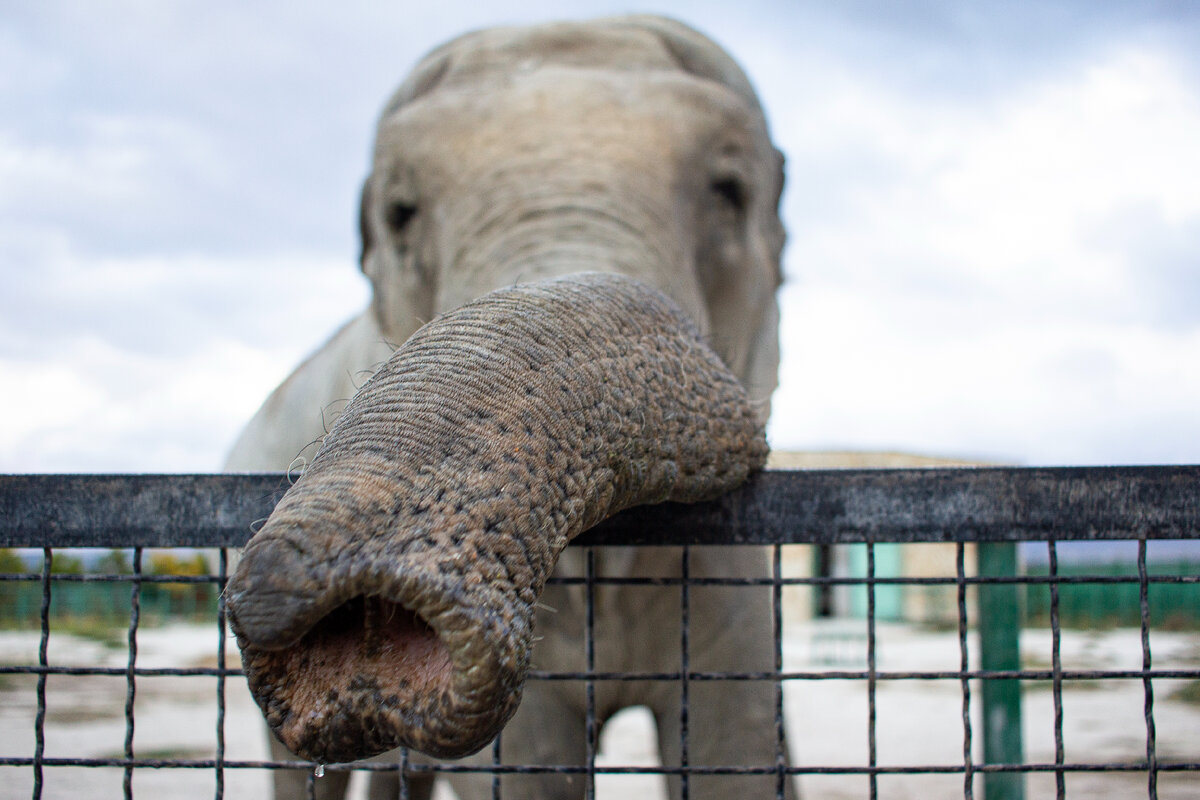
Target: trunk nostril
x=374, y=639
x=367, y=657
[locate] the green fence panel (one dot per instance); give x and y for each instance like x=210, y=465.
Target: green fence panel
x=1106, y=604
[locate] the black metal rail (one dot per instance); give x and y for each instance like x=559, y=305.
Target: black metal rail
x=773, y=507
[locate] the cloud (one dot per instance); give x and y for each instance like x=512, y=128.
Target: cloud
x=169, y=303
x=983, y=288
x=1065, y=394
x=154, y=363
x=117, y=186
x=108, y=410
x=1161, y=260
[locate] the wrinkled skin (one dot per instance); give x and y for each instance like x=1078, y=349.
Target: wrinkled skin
x=511, y=158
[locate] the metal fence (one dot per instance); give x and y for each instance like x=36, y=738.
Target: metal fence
x=992, y=681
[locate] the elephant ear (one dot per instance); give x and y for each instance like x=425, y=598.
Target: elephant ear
x=423, y=79
x=366, y=236
x=762, y=369
x=402, y=294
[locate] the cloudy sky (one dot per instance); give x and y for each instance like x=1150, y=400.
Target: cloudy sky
x=994, y=217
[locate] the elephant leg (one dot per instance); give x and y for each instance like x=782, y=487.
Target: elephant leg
x=292, y=784
x=386, y=786
x=548, y=729
x=731, y=723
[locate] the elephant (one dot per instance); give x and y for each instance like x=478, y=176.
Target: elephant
x=572, y=235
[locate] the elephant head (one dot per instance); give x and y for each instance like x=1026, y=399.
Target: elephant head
x=587, y=212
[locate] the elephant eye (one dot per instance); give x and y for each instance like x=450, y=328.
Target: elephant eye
x=399, y=215
x=731, y=192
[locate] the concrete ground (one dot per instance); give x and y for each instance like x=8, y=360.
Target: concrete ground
x=917, y=722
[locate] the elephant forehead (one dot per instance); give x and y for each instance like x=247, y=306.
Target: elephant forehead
x=508, y=50
x=635, y=43
x=554, y=110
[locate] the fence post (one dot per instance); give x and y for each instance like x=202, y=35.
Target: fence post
x=999, y=635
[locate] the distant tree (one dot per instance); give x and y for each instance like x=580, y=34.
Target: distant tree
x=66, y=564
x=10, y=591
x=12, y=563
x=172, y=562
x=186, y=598
x=114, y=562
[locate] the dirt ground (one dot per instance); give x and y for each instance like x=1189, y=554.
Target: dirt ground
x=917, y=722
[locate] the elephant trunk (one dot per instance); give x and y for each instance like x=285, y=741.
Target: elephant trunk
x=389, y=599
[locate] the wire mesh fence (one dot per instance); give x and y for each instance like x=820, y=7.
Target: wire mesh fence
x=962, y=670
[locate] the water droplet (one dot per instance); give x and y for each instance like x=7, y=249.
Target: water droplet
x=319, y=772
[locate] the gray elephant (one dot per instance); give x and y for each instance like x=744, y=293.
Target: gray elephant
x=586, y=216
